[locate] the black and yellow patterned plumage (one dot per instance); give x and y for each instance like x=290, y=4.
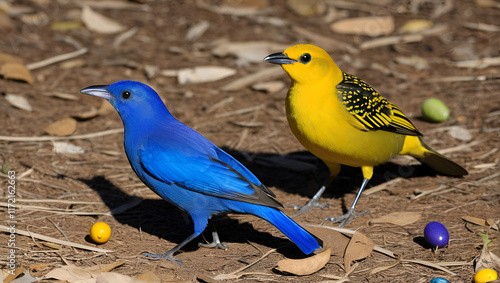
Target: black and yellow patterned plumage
x=371, y=109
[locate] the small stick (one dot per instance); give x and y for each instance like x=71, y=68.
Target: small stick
x=53, y=240
x=406, y=38
x=220, y=104
x=58, y=201
x=56, y=59
x=62, y=232
x=54, y=210
x=479, y=63
x=237, y=112
x=466, y=146
x=481, y=26
x=53, y=138
x=255, y=77
x=124, y=36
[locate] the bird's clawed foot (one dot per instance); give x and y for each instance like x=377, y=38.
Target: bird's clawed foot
x=167, y=256
x=312, y=204
x=346, y=218
x=215, y=243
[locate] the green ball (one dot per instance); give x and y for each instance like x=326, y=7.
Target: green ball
x=434, y=110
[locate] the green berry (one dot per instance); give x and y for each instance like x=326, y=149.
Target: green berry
x=434, y=110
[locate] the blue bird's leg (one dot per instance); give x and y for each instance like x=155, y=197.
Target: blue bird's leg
x=351, y=214
x=215, y=238
x=170, y=254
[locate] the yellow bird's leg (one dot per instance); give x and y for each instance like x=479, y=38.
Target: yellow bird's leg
x=314, y=201
x=352, y=213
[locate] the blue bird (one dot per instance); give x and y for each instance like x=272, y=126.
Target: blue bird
x=189, y=171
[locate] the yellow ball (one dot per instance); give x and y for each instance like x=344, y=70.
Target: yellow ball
x=100, y=232
x=485, y=275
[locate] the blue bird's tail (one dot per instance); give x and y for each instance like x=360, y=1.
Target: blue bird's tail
x=303, y=239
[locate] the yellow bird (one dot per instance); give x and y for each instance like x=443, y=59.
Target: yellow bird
x=342, y=120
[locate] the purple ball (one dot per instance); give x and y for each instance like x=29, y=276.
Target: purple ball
x=436, y=234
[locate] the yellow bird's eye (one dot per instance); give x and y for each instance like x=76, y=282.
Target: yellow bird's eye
x=305, y=58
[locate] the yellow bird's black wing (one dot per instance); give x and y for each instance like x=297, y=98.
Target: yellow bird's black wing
x=372, y=110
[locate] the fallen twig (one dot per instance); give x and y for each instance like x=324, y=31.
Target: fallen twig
x=54, y=138
x=481, y=26
x=250, y=79
x=478, y=63
x=406, y=38
x=56, y=59
x=233, y=275
x=6, y=229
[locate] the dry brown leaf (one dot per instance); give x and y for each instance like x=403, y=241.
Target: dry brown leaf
x=16, y=71
x=398, y=218
x=106, y=267
x=336, y=240
x=18, y=101
x=307, y=7
x=63, y=95
x=96, y=273
x=359, y=247
x=235, y=8
x=63, y=127
x=75, y=63
x=196, y=31
x=481, y=221
x=70, y=273
x=475, y=220
x=305, y=266
x=269, y=87
x=149, y=277
x=38, y=266
x=203, y=74
x=487, y=259
x=99, y=23
x=413, y=26
x=7, y=58
x=9, y=275
x=371, y=26
x=248, y=51
x=92, y=113
x=113, y=277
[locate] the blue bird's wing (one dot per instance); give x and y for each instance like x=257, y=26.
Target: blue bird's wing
x=210, y=172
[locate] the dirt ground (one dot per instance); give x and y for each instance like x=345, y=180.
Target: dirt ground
x=61, y=195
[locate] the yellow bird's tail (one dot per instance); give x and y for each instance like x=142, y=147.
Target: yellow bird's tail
x=415, y=147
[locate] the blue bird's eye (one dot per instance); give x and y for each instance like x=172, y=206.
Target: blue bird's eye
x=305, y=58
x=126, y=94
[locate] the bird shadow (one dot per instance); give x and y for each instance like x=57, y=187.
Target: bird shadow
x=164, y=220
x=298, y=172
x=303, y=173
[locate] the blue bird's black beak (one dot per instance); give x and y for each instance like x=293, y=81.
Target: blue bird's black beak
x=98, y=90
x=279, y=58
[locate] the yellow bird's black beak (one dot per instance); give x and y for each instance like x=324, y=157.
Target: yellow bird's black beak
x=279, y=58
